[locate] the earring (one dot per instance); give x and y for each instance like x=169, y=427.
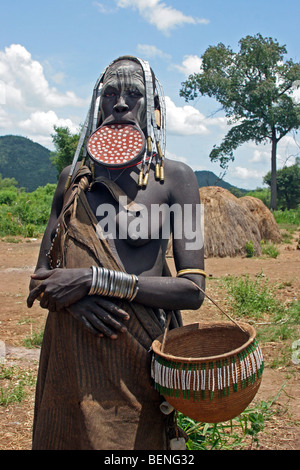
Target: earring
x=157, y=118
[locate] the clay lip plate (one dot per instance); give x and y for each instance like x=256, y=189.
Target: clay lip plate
x=116, y=144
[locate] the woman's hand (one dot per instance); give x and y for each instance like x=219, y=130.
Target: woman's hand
x=59, y=288
x=100, y=316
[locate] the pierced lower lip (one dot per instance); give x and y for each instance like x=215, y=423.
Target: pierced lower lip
x=122, y=121
x=115, y=144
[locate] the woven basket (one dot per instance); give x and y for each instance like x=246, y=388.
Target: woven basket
x=208, y=371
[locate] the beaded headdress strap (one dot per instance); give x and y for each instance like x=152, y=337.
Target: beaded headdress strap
x=156, y=134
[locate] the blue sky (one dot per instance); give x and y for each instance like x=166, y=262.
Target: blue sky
x=51, y=54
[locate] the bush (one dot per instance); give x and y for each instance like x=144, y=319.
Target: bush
x=269, y=249
x=8, y=196
x=249, y=247
x=25, y=214
x=252, y=297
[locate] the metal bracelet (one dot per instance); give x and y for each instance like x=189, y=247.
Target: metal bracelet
x=94, y=281
x=134, y=294
x=110, y=283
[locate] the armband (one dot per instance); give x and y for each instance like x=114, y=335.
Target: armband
x=191, y=271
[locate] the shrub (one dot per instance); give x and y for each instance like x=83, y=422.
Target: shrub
x=252, y=297
x=269, y=249
x=25, y=214
x=249, y=247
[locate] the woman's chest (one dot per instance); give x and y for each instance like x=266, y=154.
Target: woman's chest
x=147, y=216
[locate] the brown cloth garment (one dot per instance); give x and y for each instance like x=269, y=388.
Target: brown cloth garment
x=95, y=393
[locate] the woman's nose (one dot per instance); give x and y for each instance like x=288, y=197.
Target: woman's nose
x=121, y=105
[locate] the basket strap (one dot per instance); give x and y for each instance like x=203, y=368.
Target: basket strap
x=169, y=316
x=218, y=306
x=209, y=298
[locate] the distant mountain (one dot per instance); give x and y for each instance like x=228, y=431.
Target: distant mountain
x=208, y=178
x=29, y=163
x=26, y=161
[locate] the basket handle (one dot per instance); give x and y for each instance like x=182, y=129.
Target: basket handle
x=218, y=306
x=209, y=298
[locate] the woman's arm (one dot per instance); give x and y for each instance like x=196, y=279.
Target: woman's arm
x=188, y=247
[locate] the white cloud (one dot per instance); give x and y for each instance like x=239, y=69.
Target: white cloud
x=187, y=120
x=190, y=64
x=28, y=104
x=58, y=77
x=173, y=156
x=296, y=95
x=41, y=122
x=26, y=84
x=246, y=173
x=146, y=50
x=184, y=120
x=260, y=156
x=287, y=149
x=5, y=120
x=103, y=8
x=157, y=13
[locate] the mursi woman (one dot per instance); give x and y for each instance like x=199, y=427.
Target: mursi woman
x=102, y=275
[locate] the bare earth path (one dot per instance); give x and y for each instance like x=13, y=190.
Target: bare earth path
x=17, y=261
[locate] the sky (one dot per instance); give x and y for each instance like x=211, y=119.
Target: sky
x=51, y=54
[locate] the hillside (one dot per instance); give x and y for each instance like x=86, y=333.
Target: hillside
x=208, y=178
x=29, y=163
x=26, y=161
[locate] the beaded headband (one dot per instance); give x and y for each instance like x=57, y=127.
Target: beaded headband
x=156, y=131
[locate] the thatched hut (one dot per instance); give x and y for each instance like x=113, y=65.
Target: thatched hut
x=263, y=217
x=230, y=223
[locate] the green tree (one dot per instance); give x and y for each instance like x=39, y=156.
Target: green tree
x=7, y=182
x=254, y=87
x=65, y=146
x=288, y=185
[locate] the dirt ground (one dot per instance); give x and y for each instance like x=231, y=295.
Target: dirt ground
x=17, y=261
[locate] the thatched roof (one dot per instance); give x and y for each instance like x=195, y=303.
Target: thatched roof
x=231, y=222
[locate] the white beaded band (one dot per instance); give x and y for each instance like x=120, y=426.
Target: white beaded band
x=110, y=283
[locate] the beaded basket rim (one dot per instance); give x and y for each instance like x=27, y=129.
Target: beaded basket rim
x=157, y=343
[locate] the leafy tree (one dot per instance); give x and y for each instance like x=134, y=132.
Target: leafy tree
x=65, y=146
x=7, y=182
x=254, y=87
x=288, y=185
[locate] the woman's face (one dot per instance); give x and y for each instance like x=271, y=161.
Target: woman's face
x=123, y=96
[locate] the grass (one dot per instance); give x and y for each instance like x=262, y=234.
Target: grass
x=269, y=249
x=251, y=298
x=288, y=217
x=14, y=384
x=235, y=434
x=34, y=340
x=256, y=301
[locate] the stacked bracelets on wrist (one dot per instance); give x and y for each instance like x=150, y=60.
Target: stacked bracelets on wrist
x=112, y=283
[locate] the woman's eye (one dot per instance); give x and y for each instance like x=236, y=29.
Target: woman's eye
x=135, y=93
x=109, y=94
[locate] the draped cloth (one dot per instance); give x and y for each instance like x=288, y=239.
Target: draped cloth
x=95, y=393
